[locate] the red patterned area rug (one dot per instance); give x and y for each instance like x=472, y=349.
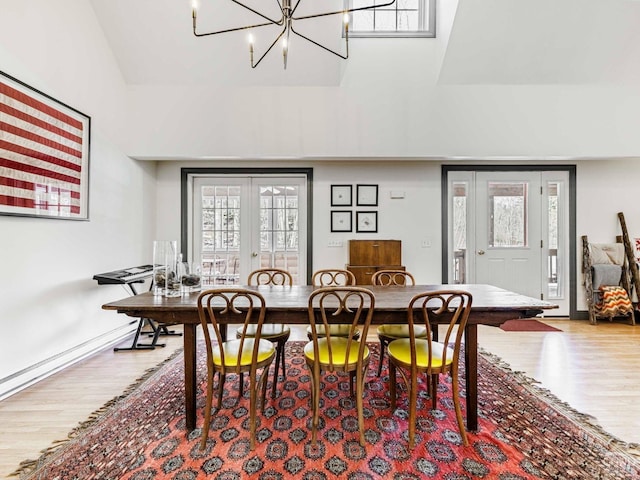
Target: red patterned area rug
x=524, y=433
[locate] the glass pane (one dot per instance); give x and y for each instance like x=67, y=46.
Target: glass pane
x=459, y=214
x=385, y=20
x=208, y=219
x=408, y=21
x=220, y=234
x=507, y=215
x=362, y=21
x=278, y=225
x=407, y=4
x=553, y=189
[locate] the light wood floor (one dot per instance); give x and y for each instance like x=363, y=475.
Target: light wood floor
x=596, y=369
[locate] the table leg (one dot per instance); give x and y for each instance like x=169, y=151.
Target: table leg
x=471, y=377
x=189, y=336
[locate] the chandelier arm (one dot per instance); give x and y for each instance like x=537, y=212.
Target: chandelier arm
x=278, y=22
x=344, y=57
x=369, y=7
x=230, y=29
x=268, y=49
x=293, y=10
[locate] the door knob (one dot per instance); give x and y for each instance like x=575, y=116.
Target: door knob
x=480, y=252
x=254, y=254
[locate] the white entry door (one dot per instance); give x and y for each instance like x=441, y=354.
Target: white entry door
x=241, y=224
x=511, y=229
x=508, y=250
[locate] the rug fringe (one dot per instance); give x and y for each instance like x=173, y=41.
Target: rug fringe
x=565, y=409
x=26, y=467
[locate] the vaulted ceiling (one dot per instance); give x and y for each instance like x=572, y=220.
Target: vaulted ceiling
x=496, y=42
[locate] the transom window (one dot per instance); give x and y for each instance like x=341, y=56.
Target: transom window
x=404, y=18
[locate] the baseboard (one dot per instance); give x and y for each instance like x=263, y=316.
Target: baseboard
x=28, y=376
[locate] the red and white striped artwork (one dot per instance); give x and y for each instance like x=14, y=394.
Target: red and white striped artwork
x=44, y=154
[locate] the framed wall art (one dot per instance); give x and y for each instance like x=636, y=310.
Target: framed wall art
x=341, y=221
x=44, y=154
x=341, y=195
x=367, y=222
x=367, y=195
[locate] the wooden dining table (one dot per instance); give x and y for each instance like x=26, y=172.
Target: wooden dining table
x=491, y=306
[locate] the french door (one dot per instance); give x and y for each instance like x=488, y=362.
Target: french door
x=242, y=223
x=511, y=229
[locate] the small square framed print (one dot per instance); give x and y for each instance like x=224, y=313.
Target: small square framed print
x=367, y=222
x=341, y=195
x=367, y=195
x=341, y=221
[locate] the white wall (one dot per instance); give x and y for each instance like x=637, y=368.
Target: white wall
x=387, y=106
x=604, y=189
x=50, y=306
x=411, y=219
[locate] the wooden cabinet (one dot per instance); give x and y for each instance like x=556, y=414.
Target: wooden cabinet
x=368, y=256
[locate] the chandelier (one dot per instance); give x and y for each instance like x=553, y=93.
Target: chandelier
x=286, y=22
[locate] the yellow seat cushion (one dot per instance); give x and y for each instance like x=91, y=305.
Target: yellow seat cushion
x=268, y=330
x=401, y=331
x=338, y=348
x=232, y=350
x=401, y=350
x=337, y=330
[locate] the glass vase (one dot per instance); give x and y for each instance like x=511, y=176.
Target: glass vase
x=165, y=268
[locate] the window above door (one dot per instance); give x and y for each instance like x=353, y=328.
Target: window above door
x=405, y=18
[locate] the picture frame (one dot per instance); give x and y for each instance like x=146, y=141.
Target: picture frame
x=341, y=195
x=367, y=195
x=341, y=221
x=367, y=222
x=45, y=172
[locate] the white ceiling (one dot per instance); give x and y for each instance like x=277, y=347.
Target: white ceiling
x=544, y=42
x=491, y=42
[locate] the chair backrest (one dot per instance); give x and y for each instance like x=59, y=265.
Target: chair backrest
x=346, y=305
x=332, y=277
x=392, y=277
x=270, y=276
x=233, y=305
x=451, y=307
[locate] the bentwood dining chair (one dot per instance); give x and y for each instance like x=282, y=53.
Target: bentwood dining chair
x=388, y=333
x=332, y=277
x=246, y=354
x=329, y=353
x=412, y=356
x=276, y=333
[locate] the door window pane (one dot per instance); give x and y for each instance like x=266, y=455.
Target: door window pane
x=507, y=215
x=279, y=228
x=459, y=231
x=553, y=189
x=220, y=234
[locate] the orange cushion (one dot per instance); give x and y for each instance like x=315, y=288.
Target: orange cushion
x=615, y=301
